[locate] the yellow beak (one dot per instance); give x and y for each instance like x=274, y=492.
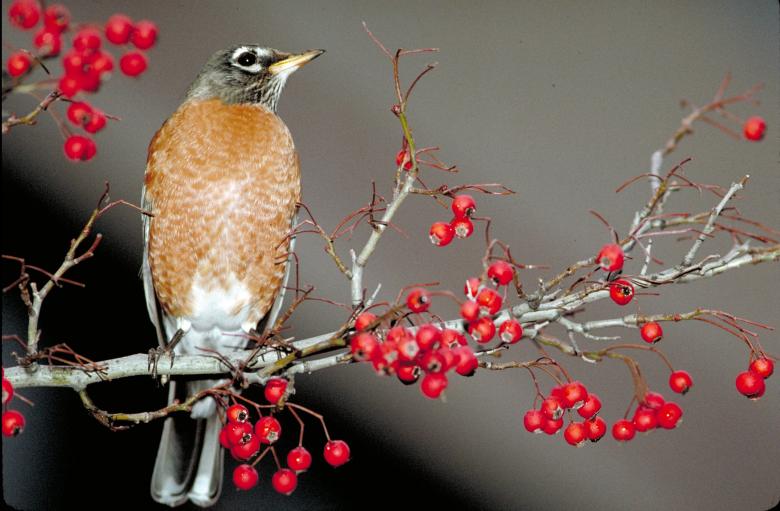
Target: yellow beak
x=293, y=62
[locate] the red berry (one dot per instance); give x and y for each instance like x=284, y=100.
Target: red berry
x=336, y=452
x=552, y=408
x=103, y=63
x=576, y=433
x=56, y=17
x=653, y=400
x=69, y=85
x=501, y=272
x=363, y=346
x=224, y=441
x=96, y=122
x=18, y=63
x=463, y=227
x=408, y=348
x=471, y=288
x=433, y=362
x=489, y=300
x=750, y=384
x=433, y=384
x=451, y=358
x=73, y=62
x=552, y=426
x=623, y=430
x=89, y=81
x=463, y=206
x=8, y=391
x=237, y=413
x=482, y=330
x=284, y=481
x=363, y=320
x=48, y=42
x=418, y=300
x=428, y=337
x=133, y=63
x=408, y=373
x=237, y=432
x=469, y=310
x=467, y=361
x=247, y=448
x=597, y=428
x=621, y=291
x=397, y=333
x=645, y=419
x=402, y=158
x=275, y=388
x=590, y=407
x=441, y=234
x=610, y=257
x=510, y=331
x=13, y=423
x=680, y=382
x=669, y=415
x=268, y=430
x=574, y=394
x=651, y=332
x=754, y=128
x=299, y=459
x=533, y=421
x=451, y=338
x=118, y=29
x=245, y=477
x=87, y=39
x=385, y=358
x=24, y=14
x=144, y=35
x=78, y=148
x=764, y=367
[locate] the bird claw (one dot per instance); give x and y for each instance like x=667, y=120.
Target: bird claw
x=156, y=353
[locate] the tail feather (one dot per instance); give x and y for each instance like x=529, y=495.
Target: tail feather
x=177, y=456
x=207, y=484
x=189, y=460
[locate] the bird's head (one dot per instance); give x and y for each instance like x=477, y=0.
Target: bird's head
x=248, y=74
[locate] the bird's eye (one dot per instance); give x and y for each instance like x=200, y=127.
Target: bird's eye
x=247, y=59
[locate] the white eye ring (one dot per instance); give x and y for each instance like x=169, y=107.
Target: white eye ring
x=257, y=52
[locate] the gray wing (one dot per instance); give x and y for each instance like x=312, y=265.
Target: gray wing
x=152, y=306
x=269, y=319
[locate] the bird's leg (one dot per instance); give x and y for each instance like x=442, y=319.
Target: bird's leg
x=156, y=353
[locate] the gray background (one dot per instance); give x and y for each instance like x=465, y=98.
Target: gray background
x=561, y=101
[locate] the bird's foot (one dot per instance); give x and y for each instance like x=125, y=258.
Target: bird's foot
x=156, y=353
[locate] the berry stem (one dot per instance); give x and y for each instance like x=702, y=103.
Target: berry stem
x=300, y=422
x=314, y=414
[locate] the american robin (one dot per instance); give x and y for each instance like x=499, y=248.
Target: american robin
x=222, y=181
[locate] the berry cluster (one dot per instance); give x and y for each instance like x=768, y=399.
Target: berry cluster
x=750, y=383
x=244, y=441
x=86, y=65
x=548, y=418
x=654, y=412
x=13, y=421
x=483, y=302
x=442, y=233
x=430, y=351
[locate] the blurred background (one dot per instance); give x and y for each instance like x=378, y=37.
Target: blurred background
x=561, y=101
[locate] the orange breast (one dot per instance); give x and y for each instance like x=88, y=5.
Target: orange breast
x=222, y=182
